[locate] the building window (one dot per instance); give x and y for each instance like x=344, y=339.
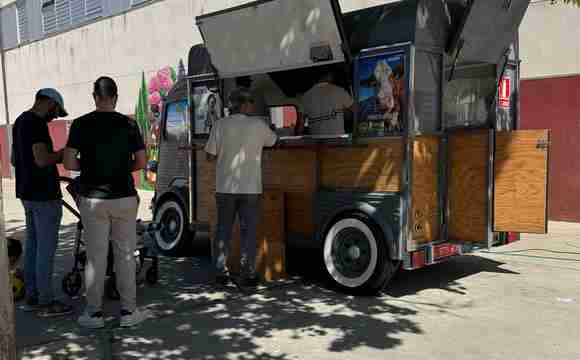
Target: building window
x=94, y=8
x=137, y=2
x=62, y=14
x=21, y=22
x=49, y=23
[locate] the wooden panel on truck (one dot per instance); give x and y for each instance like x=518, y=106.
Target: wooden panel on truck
x=293, y=171
x=468, y=186
x=521, y=176
x=425, y=214
x=374, y=167
x=206, y=206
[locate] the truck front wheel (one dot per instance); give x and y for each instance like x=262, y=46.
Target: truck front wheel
x=355, y=255
x=173, y=235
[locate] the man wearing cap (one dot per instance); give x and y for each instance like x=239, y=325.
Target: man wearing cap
x=236, y=142
x=38, y=188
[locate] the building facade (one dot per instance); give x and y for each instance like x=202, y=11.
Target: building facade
x=67, y=44
x=550, y=96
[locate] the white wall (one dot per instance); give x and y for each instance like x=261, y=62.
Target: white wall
x=549, y=41
x=144, y=39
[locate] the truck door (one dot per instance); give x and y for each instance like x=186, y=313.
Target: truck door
x=274, y=35
x=520, y=181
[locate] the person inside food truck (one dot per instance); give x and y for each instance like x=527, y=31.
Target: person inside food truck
x=245, y=82
x=327, y=108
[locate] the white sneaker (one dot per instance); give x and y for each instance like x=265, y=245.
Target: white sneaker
x=136, y=317
x=92, y=321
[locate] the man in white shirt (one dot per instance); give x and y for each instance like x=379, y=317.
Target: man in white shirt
x=237, y=142
x=325, y=106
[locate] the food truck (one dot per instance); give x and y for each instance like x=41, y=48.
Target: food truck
x=430, y=167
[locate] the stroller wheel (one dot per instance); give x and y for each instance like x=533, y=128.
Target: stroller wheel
x=152, y=275
x=111, y=289
x=72, y=283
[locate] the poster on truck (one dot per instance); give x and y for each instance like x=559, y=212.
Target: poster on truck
x=207, y=109
x=381, y=87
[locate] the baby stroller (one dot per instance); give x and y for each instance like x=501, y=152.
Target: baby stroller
x=72, y=282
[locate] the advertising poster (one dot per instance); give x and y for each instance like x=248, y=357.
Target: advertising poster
x=381, y=95
x=207, y=107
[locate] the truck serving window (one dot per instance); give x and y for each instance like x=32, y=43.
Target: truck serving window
x=469, y=97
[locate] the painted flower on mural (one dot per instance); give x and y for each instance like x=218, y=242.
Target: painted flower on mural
x=155, y=99
x=165, y=78
x=154, y=85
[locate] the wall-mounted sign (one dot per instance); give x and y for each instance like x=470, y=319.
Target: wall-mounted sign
x=504, y=93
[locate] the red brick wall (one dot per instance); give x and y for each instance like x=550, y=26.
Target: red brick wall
x=555, y=104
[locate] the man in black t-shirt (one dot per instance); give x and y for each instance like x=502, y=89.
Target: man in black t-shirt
x=111, y=147
x=38, y=188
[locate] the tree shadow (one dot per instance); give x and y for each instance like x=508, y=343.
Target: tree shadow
x=208, y=324
x=193, y=320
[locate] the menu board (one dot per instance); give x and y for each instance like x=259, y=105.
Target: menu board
x=381, y=91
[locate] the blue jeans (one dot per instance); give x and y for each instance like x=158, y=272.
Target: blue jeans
x=42, y=227
x=247, y=207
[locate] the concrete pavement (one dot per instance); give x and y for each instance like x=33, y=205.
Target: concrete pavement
x=520, y=301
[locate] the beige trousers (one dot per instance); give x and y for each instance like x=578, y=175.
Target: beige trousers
x=114, y=219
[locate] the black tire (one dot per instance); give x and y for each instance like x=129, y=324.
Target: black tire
x=355, y=255
x=72, y=284
x=111, y=290
x=173, y=236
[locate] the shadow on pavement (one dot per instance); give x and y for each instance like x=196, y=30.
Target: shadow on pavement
x=193, y=320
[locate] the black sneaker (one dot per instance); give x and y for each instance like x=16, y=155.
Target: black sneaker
x=55, y=308
x=222, y=279
x=249, y=281
x=31, y=304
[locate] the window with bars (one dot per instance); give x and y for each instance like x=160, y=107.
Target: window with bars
x=137, y=2
x=58, y=15
x=21, y=22
x=94, y=8
x=48, y=10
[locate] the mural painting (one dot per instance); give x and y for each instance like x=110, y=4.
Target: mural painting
x=148, y=116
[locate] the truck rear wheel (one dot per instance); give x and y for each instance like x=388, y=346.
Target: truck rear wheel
x=355, y=255
x=171, y=216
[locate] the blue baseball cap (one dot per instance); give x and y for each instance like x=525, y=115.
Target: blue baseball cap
x=56, y=97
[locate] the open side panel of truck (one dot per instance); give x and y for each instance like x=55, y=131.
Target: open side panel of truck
x=468, y=187
x=274, y=35
x=487, y=29
x=521, y=179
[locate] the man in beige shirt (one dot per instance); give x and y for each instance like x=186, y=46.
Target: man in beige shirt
x=237, y=142
x=325, y=106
